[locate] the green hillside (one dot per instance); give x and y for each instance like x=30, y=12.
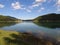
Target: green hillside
x=8, y=19
x=48, y=18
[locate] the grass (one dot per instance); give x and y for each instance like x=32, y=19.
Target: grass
x=4, y=33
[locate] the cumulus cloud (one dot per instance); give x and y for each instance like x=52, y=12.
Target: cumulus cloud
x=1, y=6
x=36, y=3
x=58, y=5
x=58, y=2
x=16, y=5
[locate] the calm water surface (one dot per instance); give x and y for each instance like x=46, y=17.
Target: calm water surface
x=31, y=27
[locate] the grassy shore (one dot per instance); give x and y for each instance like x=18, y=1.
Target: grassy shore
x=17, y=38
x=4, y=33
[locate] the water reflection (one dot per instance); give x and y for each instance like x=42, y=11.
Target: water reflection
x=49, y=24
x=31, y=27
x=4, y=24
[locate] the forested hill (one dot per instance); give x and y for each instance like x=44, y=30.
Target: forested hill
x=48, y=18
x=8, y=19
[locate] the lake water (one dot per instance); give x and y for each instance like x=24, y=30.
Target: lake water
x=31, y=27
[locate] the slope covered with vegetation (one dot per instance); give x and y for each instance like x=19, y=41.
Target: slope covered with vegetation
x=48, y=18
x=8, y=19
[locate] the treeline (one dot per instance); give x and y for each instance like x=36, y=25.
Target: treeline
x=8, y=19
x=48, y=18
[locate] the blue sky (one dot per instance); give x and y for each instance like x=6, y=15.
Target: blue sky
x=28, y=9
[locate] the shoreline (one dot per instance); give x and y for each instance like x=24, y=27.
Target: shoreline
x=27, y=37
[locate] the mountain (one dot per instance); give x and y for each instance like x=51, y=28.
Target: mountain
x=48, y=18
x=8, y=19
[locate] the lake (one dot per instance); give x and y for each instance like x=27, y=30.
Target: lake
x=32, y=27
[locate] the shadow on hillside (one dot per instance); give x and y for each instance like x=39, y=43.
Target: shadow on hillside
x=29, y=39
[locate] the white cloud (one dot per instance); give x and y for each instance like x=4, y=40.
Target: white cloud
x=16, y=5
x=41, y=9
x=37, y=3
x=1, y=6
x=28, y=10
x=58, y=2
x=58, y=5
x=40, y=0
